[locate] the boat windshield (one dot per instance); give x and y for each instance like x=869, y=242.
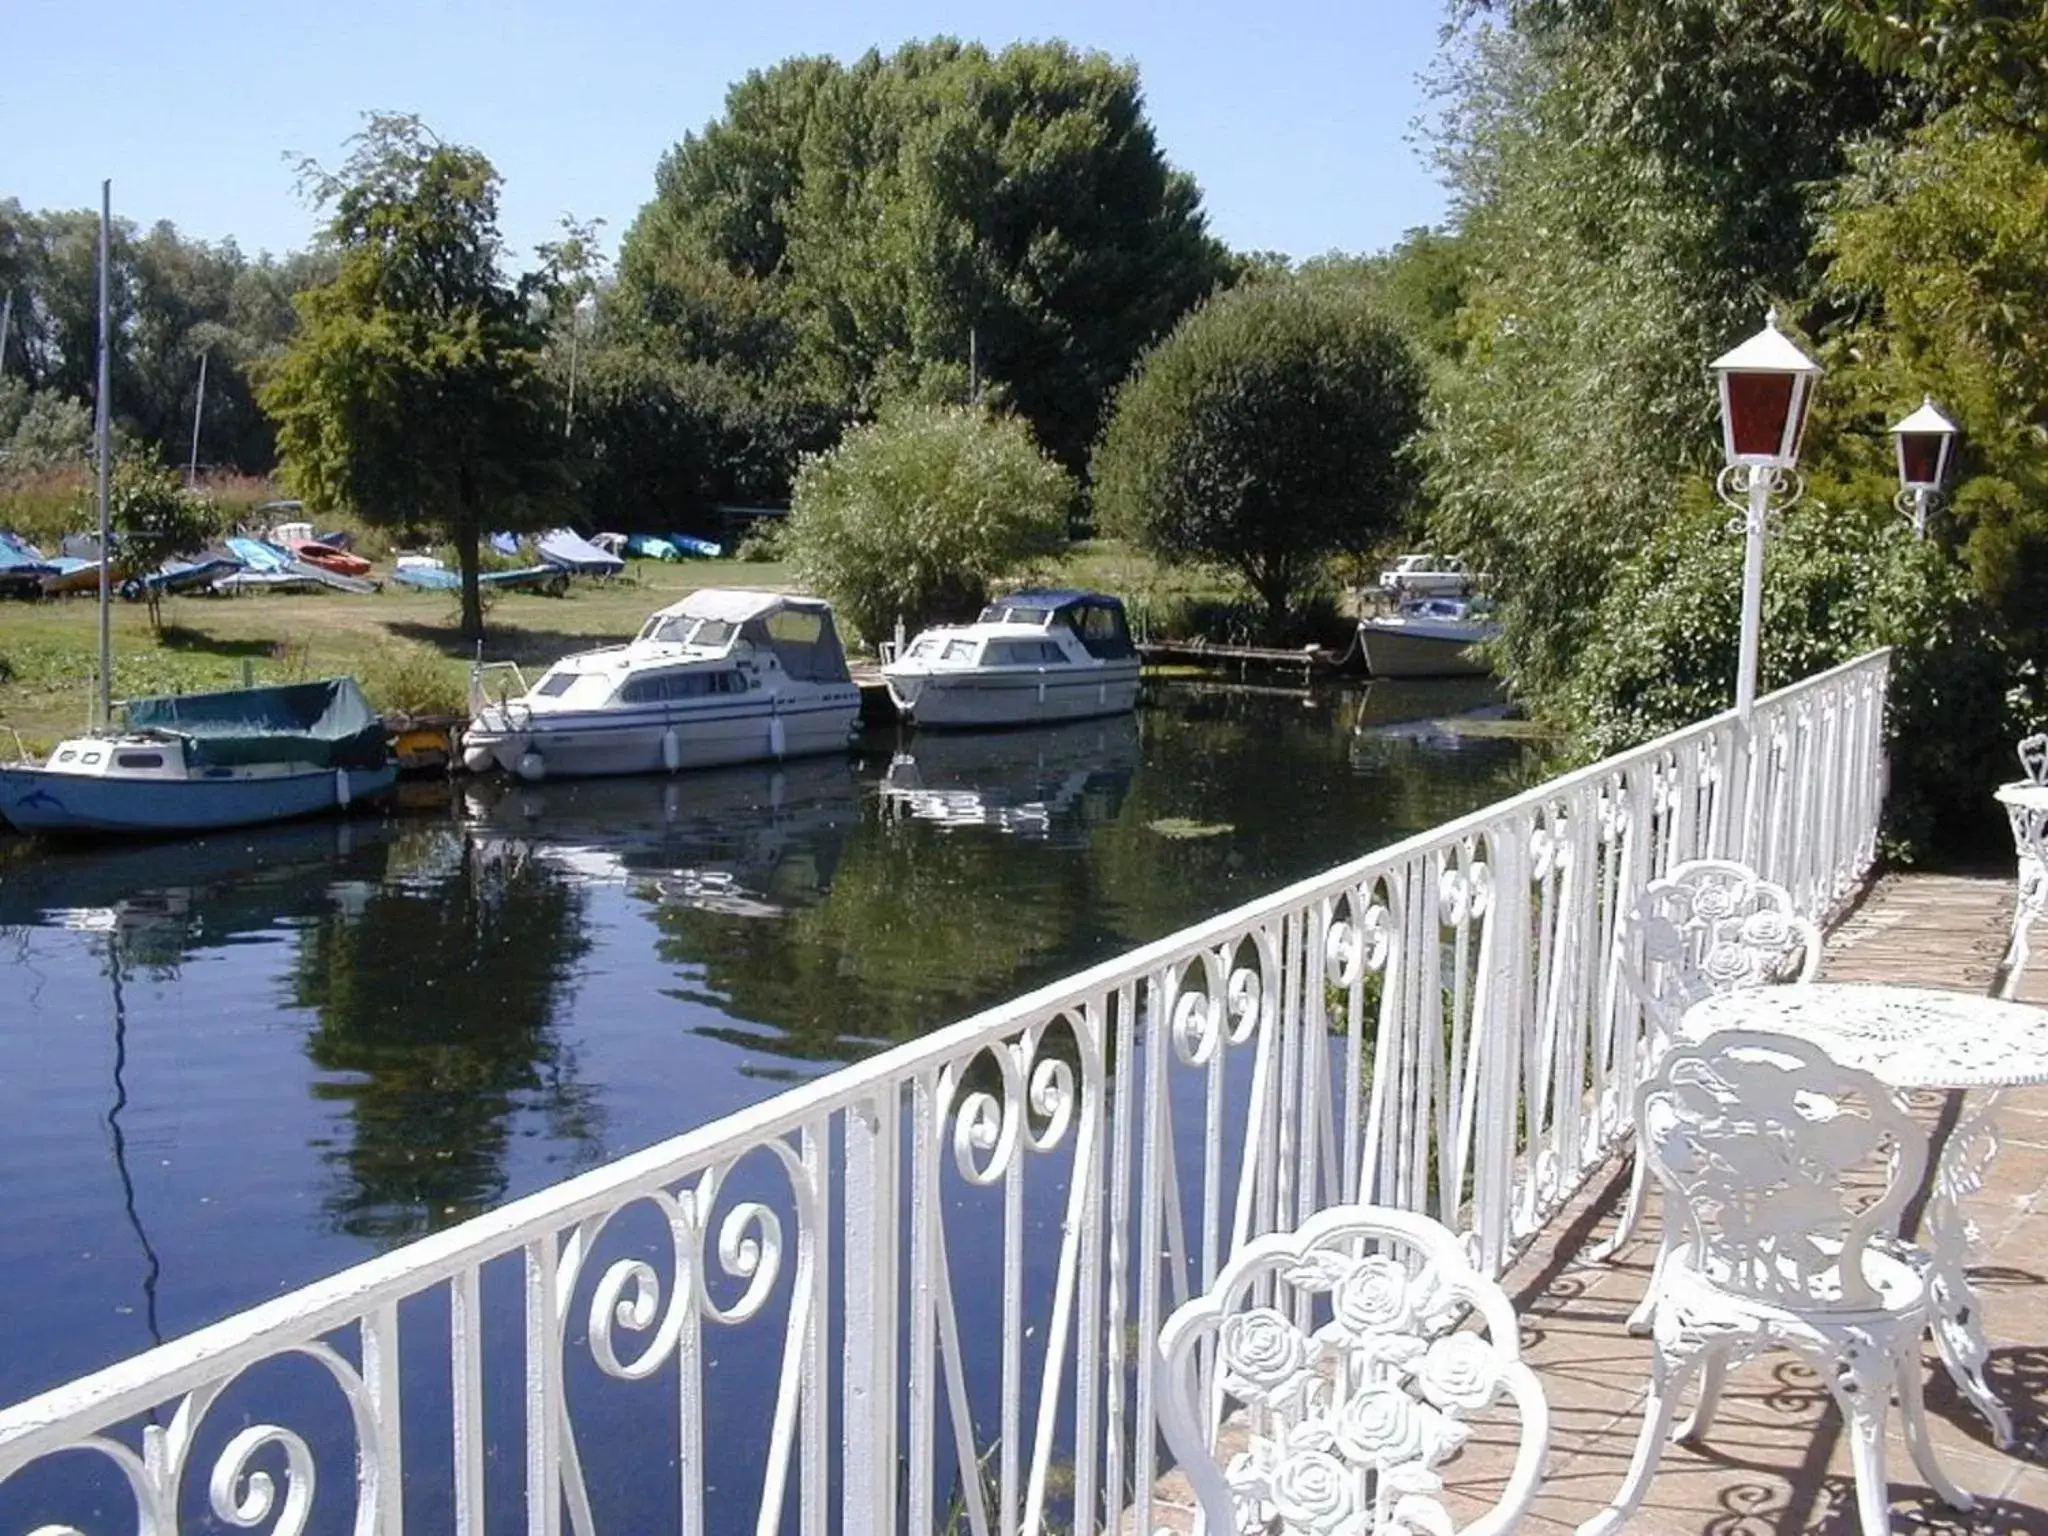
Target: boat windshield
x=686, y=629
x=1015, y=613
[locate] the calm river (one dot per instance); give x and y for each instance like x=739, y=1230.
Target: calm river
x=233, y=1065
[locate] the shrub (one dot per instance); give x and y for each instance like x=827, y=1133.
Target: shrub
x=1837, y=583
x=916, y=514
x=415, y=680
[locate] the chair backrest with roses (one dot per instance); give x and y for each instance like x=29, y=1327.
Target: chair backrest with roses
x=1358, y=1350
x=1709, y=926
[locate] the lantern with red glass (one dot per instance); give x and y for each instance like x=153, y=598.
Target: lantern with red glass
x=1925, y=440
x=1766, y=388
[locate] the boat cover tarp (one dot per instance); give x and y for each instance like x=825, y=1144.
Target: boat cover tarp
x=327, y=723
x=20, y=556
x=649, y=546
x=562, y=547
x=505, y=543
x=690, y=544
x=260, y=554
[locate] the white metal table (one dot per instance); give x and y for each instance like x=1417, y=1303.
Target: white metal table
x=1918, y=1038
x=2026, y=805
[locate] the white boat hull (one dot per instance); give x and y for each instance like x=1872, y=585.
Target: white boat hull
x=597, y=743
x=1397, y=649
x=37, y=800
x=1013, y=696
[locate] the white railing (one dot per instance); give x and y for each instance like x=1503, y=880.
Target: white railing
x=919, y=1293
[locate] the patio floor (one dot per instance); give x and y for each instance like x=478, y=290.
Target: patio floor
x=1777, y=1459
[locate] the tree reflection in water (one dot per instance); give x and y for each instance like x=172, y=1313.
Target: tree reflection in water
x=437, y=999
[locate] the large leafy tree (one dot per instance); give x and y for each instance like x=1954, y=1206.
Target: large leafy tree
x=857, y=232
x=1271, y=430
x=413, y=392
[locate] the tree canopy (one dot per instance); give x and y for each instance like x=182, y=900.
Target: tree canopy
x=412, y=393
x=850, y=233
x=1269, y=431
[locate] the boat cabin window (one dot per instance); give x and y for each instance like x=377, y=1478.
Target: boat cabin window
x=667, y=687
x=961, y=651
x=685, y=629
x=927, y=649
x=1101, y=628
x=66, y=755
x=90, y=757
x=1022, y=653
x=555, y=684
x=138, y=759
x=1015, y=613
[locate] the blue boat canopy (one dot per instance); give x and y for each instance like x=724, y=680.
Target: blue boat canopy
x=1096, y=618
x=327, y=723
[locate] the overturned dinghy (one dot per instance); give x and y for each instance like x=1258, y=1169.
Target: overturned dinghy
x=724, y=676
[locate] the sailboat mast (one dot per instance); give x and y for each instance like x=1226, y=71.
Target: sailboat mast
x=103, y=452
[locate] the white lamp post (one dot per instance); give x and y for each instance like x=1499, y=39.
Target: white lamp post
x=1925, y=441
x=1766, y=388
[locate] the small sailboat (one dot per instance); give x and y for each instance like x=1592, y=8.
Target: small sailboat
x=198, y=761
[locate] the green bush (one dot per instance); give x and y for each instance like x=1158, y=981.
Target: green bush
x=1665, y=637
x=416, y=680
x=916, y=514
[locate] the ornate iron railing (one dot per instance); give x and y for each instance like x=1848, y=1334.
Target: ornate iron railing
x=920, y=1293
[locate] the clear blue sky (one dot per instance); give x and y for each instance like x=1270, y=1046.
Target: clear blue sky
x=1293, y=115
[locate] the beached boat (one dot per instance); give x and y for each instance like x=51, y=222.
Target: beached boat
x=724, y=676
x=197, y=761
x=1031, y=657
x=1430, y=637
x=563, y=548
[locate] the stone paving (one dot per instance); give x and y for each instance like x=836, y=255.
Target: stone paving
x=1776, y=1460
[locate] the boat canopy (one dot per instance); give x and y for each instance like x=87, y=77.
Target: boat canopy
x=327, y=723
x=1095, y=618
x=798, y=630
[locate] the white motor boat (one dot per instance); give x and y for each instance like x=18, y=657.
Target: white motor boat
x=1031, y=657
x=1413, y=576
x=724, y=676
x=1429, y=637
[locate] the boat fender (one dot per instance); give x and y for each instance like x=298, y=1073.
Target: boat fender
x=671, y=750
x=1041, y=685
x=778, y=740
x=531, y=767
x=476, y=757
x=341, y=787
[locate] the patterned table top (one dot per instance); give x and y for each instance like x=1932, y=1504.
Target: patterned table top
x=2026, y=795
x=1907, y=1037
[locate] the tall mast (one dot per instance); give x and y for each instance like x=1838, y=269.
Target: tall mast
x=103, y=451
x=198, y=408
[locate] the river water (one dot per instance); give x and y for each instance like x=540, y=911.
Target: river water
x=238, y=1063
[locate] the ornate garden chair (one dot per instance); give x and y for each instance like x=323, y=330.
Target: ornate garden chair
x=1341, y=1345
x=2029, y=839
x=2034, y=758
x=1707, y=927
x=1788, y=1172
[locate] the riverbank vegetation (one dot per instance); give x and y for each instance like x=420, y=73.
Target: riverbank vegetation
x=948, y=228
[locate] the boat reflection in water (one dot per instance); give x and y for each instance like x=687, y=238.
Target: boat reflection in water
x=1049, y=783
x=748, y=842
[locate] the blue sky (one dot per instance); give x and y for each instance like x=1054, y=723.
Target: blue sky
x=1294, y=116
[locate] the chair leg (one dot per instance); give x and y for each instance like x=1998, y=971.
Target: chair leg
x=1913, y=1410
x=1861, y=1387
x=1631, y=1212
x=2016, y=952
x=1639, y=1320
x=1668, y=1381
x=1702, y=1418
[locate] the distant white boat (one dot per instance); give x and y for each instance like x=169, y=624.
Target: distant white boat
x=1429, y=637
x=724, y=676
x=1414, y=576
x=1031, y=657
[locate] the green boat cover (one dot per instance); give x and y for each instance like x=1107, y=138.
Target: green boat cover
x=329, y=724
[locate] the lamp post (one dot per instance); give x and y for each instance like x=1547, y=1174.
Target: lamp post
x=1925, y=441
x=1766, y=387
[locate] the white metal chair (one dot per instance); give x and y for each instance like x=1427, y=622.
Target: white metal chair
x=2030, y=848
x=2034, y=758
x=1341, y=1343
x=1709, y=926
x=1788, y=1171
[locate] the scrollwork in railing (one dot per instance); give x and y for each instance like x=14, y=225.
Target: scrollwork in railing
x=1229, y=1005
x=1465, y=891
x=1032, y=1105
x=1357, y=937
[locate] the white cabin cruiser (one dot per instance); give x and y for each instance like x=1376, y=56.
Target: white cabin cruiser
x=1429, y=637
x=724, y=676
x=1032, y=656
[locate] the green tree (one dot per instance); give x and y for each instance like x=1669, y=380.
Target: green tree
x=856, y=232
x=1269, y=432
x=916, y=514
x=154, y=518
x=413, y=392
